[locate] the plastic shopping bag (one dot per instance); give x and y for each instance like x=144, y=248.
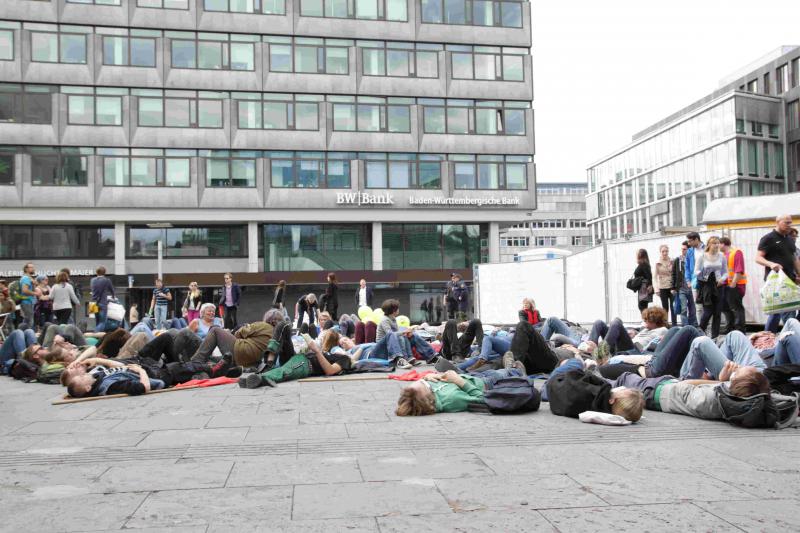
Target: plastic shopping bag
x=779, y=294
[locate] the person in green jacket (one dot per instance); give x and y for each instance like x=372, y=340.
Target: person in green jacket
x=448, y=392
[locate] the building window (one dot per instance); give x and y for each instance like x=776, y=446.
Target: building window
x=580, y=240
x=782, y=79
x=309, y=55
x=434, y=246
x=752, y=160
x=96, y=2
x=546, y=241
x=7, y=165
x=371, y=114
x=48, y=242
x=129, y=51
x=58, y=47
x=304, y=247
x=490, y=172
x=257, y=7
x=179, y=109
x=230, y=52
x=211, y=241
x=164, y=4
x=766, y=160
x=740, y=126
x=793, y=119
x=766, y=84
x=396, y=59
x=492, y=66
x=278, y=111
x=26, y=104
x=468, y=117
x=403, y=171
x=99, y=107
x=310, y=170
x=230, y=168
x=59, y=166
x=472, y=12
x=515, y=242
x=795, y=72
x=757, y=129
x=146, y=167
x=392, y=10
x=752, y=86
x=577, y=223
x=6, y=45
x=779, y=161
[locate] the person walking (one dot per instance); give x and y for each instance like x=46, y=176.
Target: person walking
x=159, y=305
x=364, y=294
x=737, y=284
x=192, y=303
x=663, y=282
x=776, y=252
x=711, y=271
x=63, y=297
x=102, y=289
x=695, y=251
x=330, y=300
x=229, y=298
x=682, y=289
x=645, y=274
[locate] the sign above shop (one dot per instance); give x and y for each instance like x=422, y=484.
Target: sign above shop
x=376, y=199
x=363, y=198
x=18, y=273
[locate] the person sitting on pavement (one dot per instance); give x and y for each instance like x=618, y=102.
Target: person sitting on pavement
x=244, y=348
x=206, y=320
x=408, y=339
x=529, y=313
x=529, y=347
x=458, y=348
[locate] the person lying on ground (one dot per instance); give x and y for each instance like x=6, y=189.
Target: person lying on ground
x=787, y=347
x=493, y=347
x=620, y=339
x=245, y=348
x=386, y=350
x=449, y=392
x=529, y=347
x=68, y=332
x=316, y=363
x=458, y=348
x=113, y=342
x=17, y=343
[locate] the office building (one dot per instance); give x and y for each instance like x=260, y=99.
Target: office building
x=275, y=139
x=741, y=140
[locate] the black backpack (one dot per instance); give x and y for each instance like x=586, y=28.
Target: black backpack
x=512, y=395
x=24, y=370
x=759, y=411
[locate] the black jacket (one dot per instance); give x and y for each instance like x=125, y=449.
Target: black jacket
x=369, y=295
x=678, y=273
x=576, y=391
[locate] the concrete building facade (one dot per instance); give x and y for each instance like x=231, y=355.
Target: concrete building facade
x=741, y=140
x=275, y=139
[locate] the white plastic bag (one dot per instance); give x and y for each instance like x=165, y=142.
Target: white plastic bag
x=115, y=311
x=779, y=294
x=605, y=419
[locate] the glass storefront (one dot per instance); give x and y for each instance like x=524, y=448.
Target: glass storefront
x=305, y=247
x=41, y=242
x=211, y=241
x=412, y=246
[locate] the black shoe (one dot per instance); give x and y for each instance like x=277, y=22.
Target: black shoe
x=234, y=372
x=443, y=365
x=268, y=382
x=221, y=368
x=253, y=381
x=434, y=359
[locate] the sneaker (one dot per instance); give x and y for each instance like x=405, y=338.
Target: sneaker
x=251, y=381
x=443, y=365
x=479, y=363
x=416, y=362
x=220, y=368
x=519, y=366
x=234, y=372
x=508, y=360
x=402, y=363
x=433, y=360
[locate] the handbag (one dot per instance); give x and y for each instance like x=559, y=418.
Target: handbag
x=634, y=283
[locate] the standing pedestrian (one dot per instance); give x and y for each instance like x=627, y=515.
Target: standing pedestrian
x=664, y=281
x=711, y=271
x=63, y=297
x=44, y=305
x=192, y=303
x=682, y=289
x=364, y=294
x=776, y=252
x=737, y=284
x=644, y=273
x=440, y=308
x=159, y=305
x=102, y=289
x=27, y=291
x=449, y=298
x=229, y=298
x=695, y=251
x=330, y=300
x=461, y=297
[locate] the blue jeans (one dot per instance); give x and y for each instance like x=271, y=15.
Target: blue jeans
x=424, y=349
x=569, y=364
x=491, y=348
x=100, y=320
x=554, y=325
x=156, y=384
x=787, y=350
x=688, y=309
x=704, y=355
x=491, y=377
x=160, y=315
x=15, y=344
x=773, y=322
x=388, y=347
x=143, y=327
x=671, y=352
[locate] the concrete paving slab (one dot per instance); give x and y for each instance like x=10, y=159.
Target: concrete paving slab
x=170, y=422
x=399, y=467
x=148, y=477
x=523, y=521
x=301, y=431
x=72, y=513
x=292, y=471
x=538, y=460
x=174, y=437
x=759, y=515
x=349, y=525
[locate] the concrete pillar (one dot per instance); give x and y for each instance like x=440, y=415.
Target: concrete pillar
x=377, y=246
x=119, y=248
x=494, y=242
x=252, y=246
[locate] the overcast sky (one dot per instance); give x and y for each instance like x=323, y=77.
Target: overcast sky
x=603, y=71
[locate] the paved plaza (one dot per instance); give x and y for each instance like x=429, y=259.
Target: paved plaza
x=332, y=456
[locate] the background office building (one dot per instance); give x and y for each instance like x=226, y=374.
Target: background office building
x=741, y=140
x=276, y=139
x=558, y=222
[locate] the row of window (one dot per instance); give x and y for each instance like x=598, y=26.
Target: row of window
x=562, y=190
x=506, y=13
x=221, y=51
x=558, y=223
x=758, y=129
x=793, y=115
x=172, y=168
x=784, y=77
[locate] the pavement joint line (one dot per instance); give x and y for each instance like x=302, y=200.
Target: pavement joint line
x=693, y=503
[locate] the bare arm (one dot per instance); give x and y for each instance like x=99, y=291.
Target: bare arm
x=327, y=367
x=168, y=296
x=761, y=259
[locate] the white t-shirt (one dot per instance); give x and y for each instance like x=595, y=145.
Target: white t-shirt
x=362, y=296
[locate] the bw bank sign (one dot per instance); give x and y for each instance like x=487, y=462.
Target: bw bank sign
x=363, y=198
x=374, y=199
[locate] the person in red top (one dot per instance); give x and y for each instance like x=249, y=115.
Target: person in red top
x=737, y=283
x=529, y=313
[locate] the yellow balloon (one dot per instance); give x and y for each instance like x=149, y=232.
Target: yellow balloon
x=364, y=311
x=378, y=312
x=403, y=321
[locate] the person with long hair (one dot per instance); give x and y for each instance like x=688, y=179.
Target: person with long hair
x=711, y=269
x=63, y=297
x=664, y=281
x=645, y=274
x=330, y=300
x=280, y=295
x=529, y=313
x=193, y=302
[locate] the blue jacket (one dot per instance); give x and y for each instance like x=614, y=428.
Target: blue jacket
x=691, y=261
x=101, y=288
x=236, y=294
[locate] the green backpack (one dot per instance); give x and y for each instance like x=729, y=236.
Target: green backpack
x=15, y=292
x=50, y=373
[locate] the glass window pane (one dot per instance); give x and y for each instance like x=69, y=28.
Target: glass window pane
x=143, y=52
x=44, y=168
x=273, y=7
x=73, y=48
x=399, y=175
x=488, y=176
x=176, y=4
x=115, y=171
x=217, y=172
x=150, y=112
x=373, y=61
x=44, y=47
x=311, y=8
x=376, y=174
x=484, y=66
x=6, y=45
x=512, y=68
x=305, y=59
x=512, y=14
x=338, y=174
x=177, y=172
x=73, y=169
x=514, y=121
x=457, y=120
x=423, y=245
x=308, y=173
x=369, y=117
x=399, y=118
x=434, y=119
x=465, y=175
x=482, y=13
x=462, y=66
x=176, y=111
x=396, y=10
x=244, y=172
x=486, y=121
x=306, y=116
x=275, y=117
x=427, y=64
x=115, y=50
x=515, y=176
x=397, y=63
x=430, y=175
x=242, y=56
x=282, y=171
x=209, y=113
x=367, y=9
x=183, y=54
x=455, y=12
x=144, y=171
x=6, y=168
x=215, y=5
x=432, y=11
x=455, y=241
x=209, y=55
x=344, y=118
x=109, y=110
x=336, y=8
x=336, y=61
x=143, y=242
x=81, y=109
x=280, y=57
x=10, y=105
x=249, y=114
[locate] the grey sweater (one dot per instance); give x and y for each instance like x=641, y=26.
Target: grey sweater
x=63, y=296
x=387, y=324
